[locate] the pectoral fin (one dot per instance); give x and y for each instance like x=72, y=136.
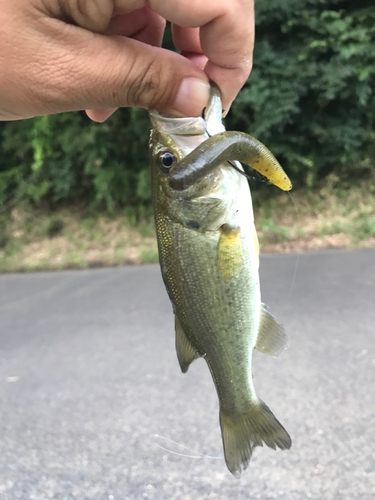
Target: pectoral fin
x=272, y=338
x=186, y=353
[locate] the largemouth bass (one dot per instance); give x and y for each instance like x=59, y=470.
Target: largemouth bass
x=209, y=258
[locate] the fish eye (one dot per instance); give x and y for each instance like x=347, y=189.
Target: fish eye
x=167, y=159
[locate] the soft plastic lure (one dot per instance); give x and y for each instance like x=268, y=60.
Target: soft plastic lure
x=223, y=147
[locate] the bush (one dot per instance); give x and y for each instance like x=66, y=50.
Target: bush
x=310, y=99
x=68, y=158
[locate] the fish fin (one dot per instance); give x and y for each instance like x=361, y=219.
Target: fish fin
x=186, y=353
x=229, y=251
x=272, y=338
x=242, y=433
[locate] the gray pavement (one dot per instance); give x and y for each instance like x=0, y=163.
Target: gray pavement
x=93, y=405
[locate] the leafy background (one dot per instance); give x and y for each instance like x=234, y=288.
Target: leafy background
x=310, y=99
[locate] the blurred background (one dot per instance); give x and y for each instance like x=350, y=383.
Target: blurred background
x=77, y=194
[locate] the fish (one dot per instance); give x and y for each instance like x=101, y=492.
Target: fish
x=209, y=260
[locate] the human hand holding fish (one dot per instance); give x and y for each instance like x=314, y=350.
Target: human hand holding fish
x=209, y=258
x=64, y=55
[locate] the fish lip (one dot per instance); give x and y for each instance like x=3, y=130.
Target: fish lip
x=209, y=123
x=171, y=125
x=178, y=128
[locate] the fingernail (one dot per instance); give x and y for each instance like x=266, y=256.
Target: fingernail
x=100, y=115
x=192, y=97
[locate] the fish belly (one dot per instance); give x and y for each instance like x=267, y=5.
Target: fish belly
x=219, y=313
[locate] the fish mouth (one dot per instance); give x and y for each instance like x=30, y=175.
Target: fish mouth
x=205, y=145
x=208, y=124
x=170, y=125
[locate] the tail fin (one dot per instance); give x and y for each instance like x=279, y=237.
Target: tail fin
x=241, y=433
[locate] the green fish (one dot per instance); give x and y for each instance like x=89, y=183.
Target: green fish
x=209, y=258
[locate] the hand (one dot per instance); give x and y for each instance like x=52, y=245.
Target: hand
x=65, y=55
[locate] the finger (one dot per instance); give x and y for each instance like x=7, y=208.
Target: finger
x=100, y=115
x=230, y=58
x=92, y=71
x=226, y=38
x=143, y=25
x=186, y=40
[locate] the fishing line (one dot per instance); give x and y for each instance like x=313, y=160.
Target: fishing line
x=198, y=455
x=261, y=178
x=298, y=254
x=255, y=177
x=264, y=179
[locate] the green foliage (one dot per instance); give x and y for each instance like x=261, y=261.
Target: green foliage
x=364, y=225
x=310, y=99
x=69, y=158
x=273, y=233
x=149, y=255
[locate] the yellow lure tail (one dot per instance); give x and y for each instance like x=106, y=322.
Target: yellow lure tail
x=223, y=147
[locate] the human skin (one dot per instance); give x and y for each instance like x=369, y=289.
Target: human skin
x=66, y=55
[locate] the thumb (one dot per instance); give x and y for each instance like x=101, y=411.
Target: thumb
x=77, y=69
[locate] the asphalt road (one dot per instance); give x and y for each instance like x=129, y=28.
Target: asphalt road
x=93, y=405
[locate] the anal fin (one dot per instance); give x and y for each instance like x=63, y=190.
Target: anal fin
x=272, y=338
x=186, y=353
